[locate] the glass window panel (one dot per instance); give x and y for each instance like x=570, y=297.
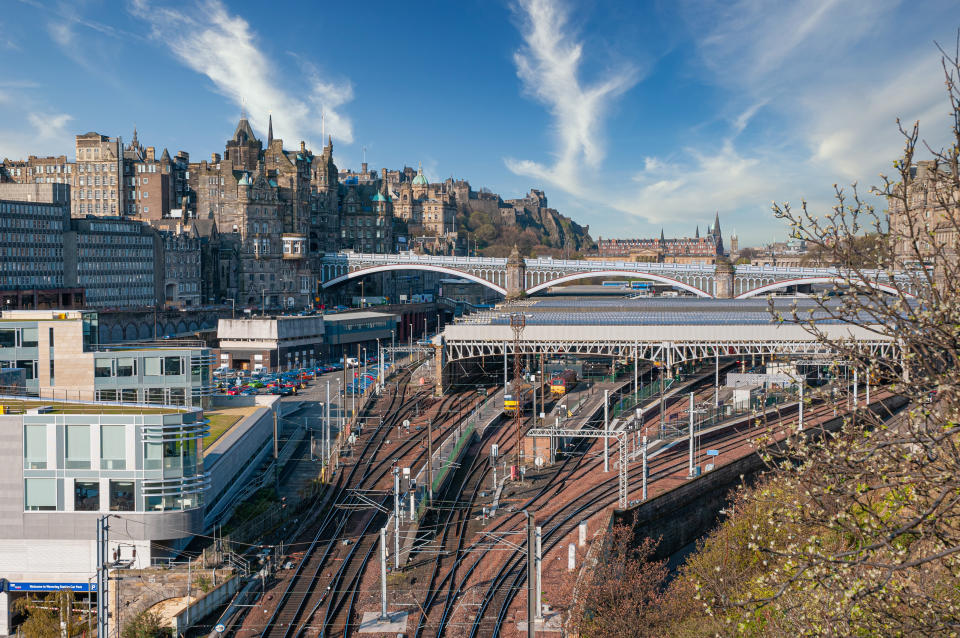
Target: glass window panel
x=121, y=496
x=171, y=366
x=78, y=447
x=106, y=395
x=86, y=496
x=40, y=493
x=29, y=338
x=113, y=447
x=103, y=368
x=8, y=338
x=128, y=395
x=126, y=367
x=29, y=367
x=152, y=365
x=154, y=395
x=153, y=456
x=177, y=396
x=35, y=447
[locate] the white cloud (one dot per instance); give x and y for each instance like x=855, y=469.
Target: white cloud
x=549, y=67
x=222, y=46
x=30, y=128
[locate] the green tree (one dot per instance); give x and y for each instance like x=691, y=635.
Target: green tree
x=146, y=624
x=44, y=614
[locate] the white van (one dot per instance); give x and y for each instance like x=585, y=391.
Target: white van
x=352, y=362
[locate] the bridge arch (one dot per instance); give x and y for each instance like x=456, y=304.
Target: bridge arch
x=619, y=273
x=818, y=280
x=440, y=269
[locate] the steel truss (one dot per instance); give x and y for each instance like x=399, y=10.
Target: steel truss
x=596, y=434
x=665, y=352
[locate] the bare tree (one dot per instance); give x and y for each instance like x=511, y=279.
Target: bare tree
x=868, y=517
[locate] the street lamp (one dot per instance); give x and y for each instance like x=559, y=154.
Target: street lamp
x=233, y=307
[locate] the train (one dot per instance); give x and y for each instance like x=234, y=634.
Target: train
x=511, y=399
x=563, y=382
x=634, y=284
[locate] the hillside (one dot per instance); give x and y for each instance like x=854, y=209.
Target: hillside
x=493, y=226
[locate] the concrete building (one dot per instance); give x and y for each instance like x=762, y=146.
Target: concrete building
x=271, y=344
x=118, y=262
x=62, y=359
x=346, y=331
x=63, y=466
x=33, y=220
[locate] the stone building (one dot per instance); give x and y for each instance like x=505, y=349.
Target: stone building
x=680, y=250
x=182, y=265
x=97, y=176
x=149, y=182
x=260, y=201
x=933, y=206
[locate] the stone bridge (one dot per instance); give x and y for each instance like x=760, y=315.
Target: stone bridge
x=517, y=277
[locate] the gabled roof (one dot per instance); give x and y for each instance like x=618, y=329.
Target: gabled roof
x=243, y=132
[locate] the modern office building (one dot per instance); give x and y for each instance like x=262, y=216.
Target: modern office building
x=271, y=344
x=61, y=358
x=118, y=262
x=64, y=465
x=33, y=220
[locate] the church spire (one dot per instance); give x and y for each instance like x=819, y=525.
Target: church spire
x=697, y=236
x=270, y=130
x=716, y=224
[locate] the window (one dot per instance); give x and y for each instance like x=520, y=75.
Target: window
x=52, y=375
x=126, y=367
x=113, y=447
x=50, y=339
x=154, y=395
x=121, y=496
x=103, y=368
x=152, y=456
x=78, y=447
x=8, y=338
x=35, y=447
x=40, y=494
x=128, y=395
x=86, y=496
x=152, y=366
x=172, y=366
x=29, y=367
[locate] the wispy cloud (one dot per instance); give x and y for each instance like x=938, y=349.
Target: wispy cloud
x=222, y=46
x=549, y=67
x=30, y=127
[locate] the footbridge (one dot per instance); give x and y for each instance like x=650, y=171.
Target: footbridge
x=517, y=277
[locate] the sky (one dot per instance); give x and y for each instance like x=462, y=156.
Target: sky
x=632, y=116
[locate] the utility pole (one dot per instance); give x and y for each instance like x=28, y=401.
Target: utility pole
x=716, y=380
x=690, y=474
x=383, y=573
x=517, y=323
x=644, y=468
x=800, y=421
x=636, y=374
x=396, y=517
x=662, y=415
x=103, y=576
x=539, y=559
x=276, y=453
x=531, y=575
x=326, y=427
x=430, y=459
x=606, y=432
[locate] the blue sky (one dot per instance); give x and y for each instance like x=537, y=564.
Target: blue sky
x=632, y=116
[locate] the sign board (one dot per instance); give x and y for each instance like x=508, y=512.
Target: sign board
x=713, y=452
x=406, y=423
x=51, y=586
x=406, y=472
x=494, y=450
x=538, y=461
